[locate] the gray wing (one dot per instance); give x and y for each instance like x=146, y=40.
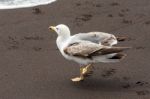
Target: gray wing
x=88, y=49
x=82, y=48
x=97, y=37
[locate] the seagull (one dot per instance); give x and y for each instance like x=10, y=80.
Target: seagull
x=88, y=48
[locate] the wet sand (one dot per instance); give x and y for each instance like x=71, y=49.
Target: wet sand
x=31, y=66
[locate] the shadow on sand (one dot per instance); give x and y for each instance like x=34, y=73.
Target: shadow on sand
x=102, y=85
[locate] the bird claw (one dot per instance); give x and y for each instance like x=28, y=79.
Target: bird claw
x=84, y=72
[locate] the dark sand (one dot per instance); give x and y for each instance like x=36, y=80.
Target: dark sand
x=31, y=67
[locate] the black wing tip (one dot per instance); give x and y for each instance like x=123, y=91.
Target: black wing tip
x=119, y=56
x=121, y=38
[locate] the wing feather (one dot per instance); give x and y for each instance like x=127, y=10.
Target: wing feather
x=82, y=48
x=106, y=50
x=88, y=49
x=97, y=37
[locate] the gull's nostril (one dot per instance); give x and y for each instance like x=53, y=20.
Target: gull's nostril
x=50, y=28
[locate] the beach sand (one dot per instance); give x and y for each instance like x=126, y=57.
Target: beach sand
x=31, y=66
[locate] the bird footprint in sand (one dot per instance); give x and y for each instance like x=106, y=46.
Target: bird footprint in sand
x=83, y=18
x=109, y=73
x=126, y=21
x=115, y=4
x=37, y=11
x=13, y=43
x=142, y=92
x=141, y=83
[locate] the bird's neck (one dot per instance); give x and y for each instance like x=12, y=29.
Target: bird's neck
x=61, y=40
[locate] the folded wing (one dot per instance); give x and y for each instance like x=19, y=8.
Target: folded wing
x=97, y=37
x=88, y=49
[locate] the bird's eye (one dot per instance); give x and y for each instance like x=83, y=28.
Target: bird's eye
x=56, y=28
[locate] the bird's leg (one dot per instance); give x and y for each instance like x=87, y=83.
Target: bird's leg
x=84, y=72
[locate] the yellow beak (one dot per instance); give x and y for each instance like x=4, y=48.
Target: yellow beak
x=52, y=28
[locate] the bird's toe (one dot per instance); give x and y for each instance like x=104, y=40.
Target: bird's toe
x=77, y=79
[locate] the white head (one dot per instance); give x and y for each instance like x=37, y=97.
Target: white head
x=61, y=30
